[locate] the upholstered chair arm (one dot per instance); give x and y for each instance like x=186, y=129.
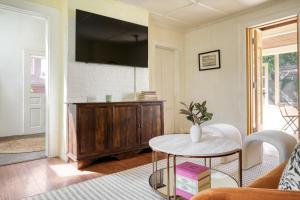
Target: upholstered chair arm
x=246, y=194
x=270, y=180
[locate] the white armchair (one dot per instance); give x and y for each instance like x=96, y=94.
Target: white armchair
x=253, y=146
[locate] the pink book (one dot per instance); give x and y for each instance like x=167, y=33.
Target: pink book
x=187, y=195
x=183, y=194
x=192, y=170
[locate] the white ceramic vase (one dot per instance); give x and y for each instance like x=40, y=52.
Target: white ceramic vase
x=196, y=133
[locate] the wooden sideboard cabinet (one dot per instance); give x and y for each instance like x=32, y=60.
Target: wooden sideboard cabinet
x=104, y=129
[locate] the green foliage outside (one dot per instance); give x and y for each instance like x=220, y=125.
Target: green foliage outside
x=271, y=63
x=288, y=84
x=288, y=59
x=284, y=59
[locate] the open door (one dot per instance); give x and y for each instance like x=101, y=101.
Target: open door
x=298, y=56
x=275, y=82
x=258, y=83
x=35, y=70
x=254, y=80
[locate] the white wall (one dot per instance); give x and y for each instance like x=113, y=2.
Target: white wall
x=18, y=33
x=98, y=80
x=220, y=87
x=225, y=88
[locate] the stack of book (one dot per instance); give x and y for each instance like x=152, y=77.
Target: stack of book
x=148, y=95
x=191, y=178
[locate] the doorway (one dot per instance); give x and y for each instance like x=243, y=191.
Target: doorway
x=23, y=86
x=164, y=84
x=272, y=77
x=35, y=72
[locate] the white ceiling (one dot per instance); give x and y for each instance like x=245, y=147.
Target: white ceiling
x=191, y=13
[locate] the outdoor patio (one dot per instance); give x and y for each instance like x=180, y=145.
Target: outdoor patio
x=272, y=119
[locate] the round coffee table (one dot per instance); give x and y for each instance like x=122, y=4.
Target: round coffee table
x=180, y=145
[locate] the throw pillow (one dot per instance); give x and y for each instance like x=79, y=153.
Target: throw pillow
x=290, y=179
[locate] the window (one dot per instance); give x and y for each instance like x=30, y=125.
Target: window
x=38, y=74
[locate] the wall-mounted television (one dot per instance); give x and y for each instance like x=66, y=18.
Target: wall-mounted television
x=101, y=39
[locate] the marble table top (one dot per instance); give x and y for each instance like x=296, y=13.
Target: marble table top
x=181, y=145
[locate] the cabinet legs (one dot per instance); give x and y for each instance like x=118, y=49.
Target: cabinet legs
x=80, y=164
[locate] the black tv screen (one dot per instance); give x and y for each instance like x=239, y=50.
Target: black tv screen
x=101, y=39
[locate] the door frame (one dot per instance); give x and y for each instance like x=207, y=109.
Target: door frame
x=26, y=56
x=254, y=84
x=177, y=61
x=53, y=107
x=249, y=72
x=249, y=64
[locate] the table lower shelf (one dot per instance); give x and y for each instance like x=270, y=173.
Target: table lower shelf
x=218, y=179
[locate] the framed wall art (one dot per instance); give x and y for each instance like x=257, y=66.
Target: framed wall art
x=209, y=60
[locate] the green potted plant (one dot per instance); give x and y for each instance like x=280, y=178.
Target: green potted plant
x=197, y=114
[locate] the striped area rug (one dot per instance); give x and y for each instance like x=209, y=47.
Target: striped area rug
x=133, y=184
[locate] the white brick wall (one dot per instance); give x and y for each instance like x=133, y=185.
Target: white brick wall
x=97, y=80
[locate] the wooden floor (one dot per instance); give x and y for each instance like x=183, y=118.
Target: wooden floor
x=33, y=177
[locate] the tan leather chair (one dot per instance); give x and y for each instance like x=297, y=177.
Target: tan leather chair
x=264, y=188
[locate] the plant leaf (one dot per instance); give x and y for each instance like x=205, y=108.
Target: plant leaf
x=191, y=106
x=196, y=112
x=185, y=112
x=184, y=104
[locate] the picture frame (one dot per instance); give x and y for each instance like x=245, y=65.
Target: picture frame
x=209, y=60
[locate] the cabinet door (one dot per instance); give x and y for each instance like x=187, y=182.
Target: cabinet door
x=151, y=122
x=93, y=129
x=103, y=124
x=125, y=131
